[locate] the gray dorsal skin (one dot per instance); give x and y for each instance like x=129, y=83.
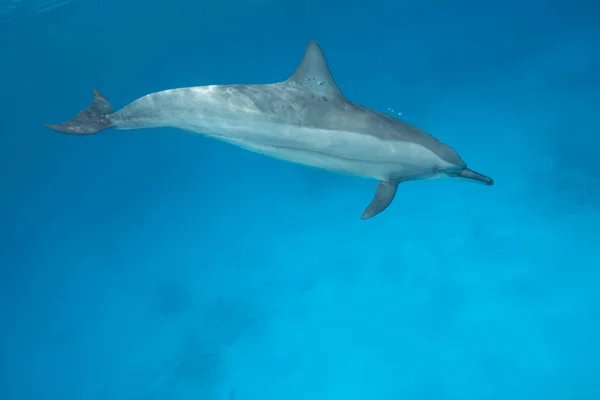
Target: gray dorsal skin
x=305, y=119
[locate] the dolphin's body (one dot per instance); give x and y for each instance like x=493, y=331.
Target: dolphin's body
x=305, y=119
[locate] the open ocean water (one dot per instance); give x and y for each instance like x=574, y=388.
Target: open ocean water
x=158, y=264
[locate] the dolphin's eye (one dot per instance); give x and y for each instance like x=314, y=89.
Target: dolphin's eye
x=435, y=168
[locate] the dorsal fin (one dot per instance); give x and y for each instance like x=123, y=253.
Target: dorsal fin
x=313, y=72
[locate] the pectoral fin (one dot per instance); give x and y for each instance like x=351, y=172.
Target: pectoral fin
x=383, y=198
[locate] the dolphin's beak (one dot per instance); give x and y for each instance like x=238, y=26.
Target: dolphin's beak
x=471, y=175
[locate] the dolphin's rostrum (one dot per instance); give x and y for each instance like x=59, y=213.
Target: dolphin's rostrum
x=305, y=119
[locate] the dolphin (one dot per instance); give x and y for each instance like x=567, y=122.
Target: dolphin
x=305, y=119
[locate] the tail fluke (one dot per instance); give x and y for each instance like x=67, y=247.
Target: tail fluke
x=91, y=120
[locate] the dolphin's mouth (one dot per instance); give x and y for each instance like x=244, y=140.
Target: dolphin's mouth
x=471, y=175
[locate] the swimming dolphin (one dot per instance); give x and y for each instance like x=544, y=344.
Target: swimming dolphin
x=305, y=119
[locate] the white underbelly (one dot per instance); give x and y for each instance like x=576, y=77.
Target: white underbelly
x=367, y=169
x=344, y=152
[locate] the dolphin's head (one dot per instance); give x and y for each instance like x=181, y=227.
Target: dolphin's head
x=453, y=166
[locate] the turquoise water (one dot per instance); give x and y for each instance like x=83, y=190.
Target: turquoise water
x=157, y=264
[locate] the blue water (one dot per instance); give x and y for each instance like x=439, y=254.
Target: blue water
x=156, y=264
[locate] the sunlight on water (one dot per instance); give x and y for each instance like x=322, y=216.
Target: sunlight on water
x=12, y=11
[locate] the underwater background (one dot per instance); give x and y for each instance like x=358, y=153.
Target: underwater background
x=158, y=264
